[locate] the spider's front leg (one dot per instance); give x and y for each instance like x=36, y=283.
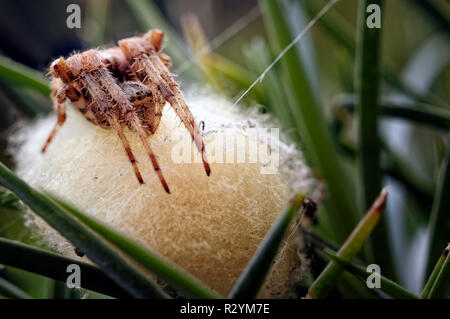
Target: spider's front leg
x=119, y=106
x=58, y=96
x=153, y=75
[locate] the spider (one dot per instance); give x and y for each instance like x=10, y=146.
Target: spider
x=125, y=85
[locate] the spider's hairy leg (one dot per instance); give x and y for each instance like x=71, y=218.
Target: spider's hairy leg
x=123, y=106
x=58, y=104
x=166, y=76
x=144, y=68
x=132, y=118
x=116, y=126
x=91, y=80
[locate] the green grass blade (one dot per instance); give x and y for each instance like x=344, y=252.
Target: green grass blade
x=52, y=265
x=100, y=251
x=334, y=24
x=434, y=274
x=388, y=286
x=254, y=274
x=369, y=150
x=320, y=148
x=327, y=279
x=164, y=269
x=10, y=290
x=368, y=91
x=420, y=113
x=399, y=167
x=442, y=278
x=439, y=228
x=15, y=73
x=22, y=101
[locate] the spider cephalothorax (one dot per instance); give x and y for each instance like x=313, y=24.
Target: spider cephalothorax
x=125, y=85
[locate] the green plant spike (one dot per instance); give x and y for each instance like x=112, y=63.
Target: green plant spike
x=386, y=285
x=10, y=290
x=432, y=278
x=18, y=74
x=167, y=271
x=369, y=148
x=320, y=149
x=254, y=274
x=420, y=113
x=113, y=261
x=442, y=280
x=439, y=228
x=327, y=279
x=22, y=101
x=52, y=265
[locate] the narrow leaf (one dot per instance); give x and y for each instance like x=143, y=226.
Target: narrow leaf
x=164, y=269
x=10, y=290
x=320, y=148
x=388, y=286
x=438, y=277
x=16, y=73
x=369, y=150
x=52, y=265
x=439, y=228
x=100, y=251
x=327, y=279
x=420, y=113
x=23, y=101
x=254, y=274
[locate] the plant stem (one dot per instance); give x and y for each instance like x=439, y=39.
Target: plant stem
x=18, y=74
x=10, y=290
x=369, y=150
x=327, y=279
x=117, y=266
x=320, y=148
x=388, y=286
x=442, y=277
x=166, y=270
x=420, y=113
x=439, y=228
x=49, y=264
x=434, y=274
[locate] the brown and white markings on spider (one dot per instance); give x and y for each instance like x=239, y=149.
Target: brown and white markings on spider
x=125, y=85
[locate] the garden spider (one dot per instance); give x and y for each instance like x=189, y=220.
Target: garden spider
x=125, y=85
